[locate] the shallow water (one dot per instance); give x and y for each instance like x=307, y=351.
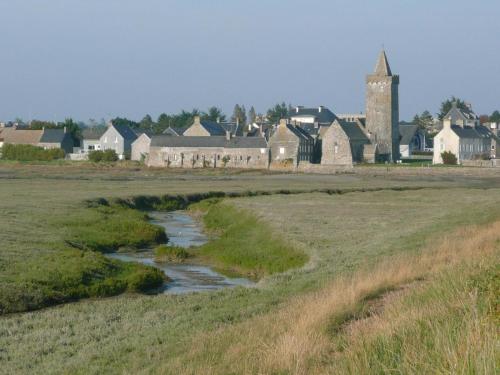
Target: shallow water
x=182, y=231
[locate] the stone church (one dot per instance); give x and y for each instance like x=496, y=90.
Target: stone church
x=349, y=139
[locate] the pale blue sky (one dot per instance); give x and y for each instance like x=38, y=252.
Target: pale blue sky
x=105, y=58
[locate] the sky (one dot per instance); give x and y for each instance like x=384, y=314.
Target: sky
x=106, y=58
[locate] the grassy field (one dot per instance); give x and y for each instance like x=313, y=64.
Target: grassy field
x=345, y=237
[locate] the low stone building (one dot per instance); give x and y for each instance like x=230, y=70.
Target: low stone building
x=208, y=152
x=291, y=145
x=57, y=138
x=46, y=138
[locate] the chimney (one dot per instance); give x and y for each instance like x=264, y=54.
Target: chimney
x=197, y=119
x=228, y=135
x=447, y=123
x=260, y=130
x=65, y=130
x=218, y=120
x=282, y=124
x=297, y=109
x=320, y=108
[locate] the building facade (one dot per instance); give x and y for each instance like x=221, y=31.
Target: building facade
x=208, y=152
x=290, y=144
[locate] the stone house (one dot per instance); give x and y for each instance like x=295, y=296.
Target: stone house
x=343, y=143
x=208, y=152
x=140, y=147
x=46, y=138
x=465, y=142
x=57, y=138
x=118, y=138
x=290, y=144
x=412, y=139
x=91, y=139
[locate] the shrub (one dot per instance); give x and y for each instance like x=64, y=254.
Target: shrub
x=106, y=155
x=449, y=158
x=30, y=153
x=145, y=279
x=171, y=254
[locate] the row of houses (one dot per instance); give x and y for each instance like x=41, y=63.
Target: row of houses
x=46, y=138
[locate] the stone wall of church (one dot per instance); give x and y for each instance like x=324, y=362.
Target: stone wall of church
x=336, y=149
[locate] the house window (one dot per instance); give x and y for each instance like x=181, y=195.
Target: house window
x=116, y=139
x=105, y=139
x=282, y=150
x=218, y=157
x=336, y=148
x=441, y=144
x=241, y=157
x=91, y=147
x=492, y=147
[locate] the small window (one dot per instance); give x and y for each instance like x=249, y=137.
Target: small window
x=218, y=157
x=241, y=157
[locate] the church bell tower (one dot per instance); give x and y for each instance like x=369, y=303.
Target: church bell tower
x=382, y=110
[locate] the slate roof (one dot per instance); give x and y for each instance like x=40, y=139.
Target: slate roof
x=299, y=132
x=174, y=131
x=93, y=133
x=213, y=128
x=407, y=132
x=382, y=68
x=232, y=127
x=479, y=132
x=324, y=117
x=207, y=142
x=125, y=131
x=53, y=136
x=140, y=132
x=464, y=113
x=353, y=131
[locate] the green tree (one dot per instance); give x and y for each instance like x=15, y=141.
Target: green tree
x=449, y=158
x=146, y=123
x=252, y=115
x=125, y=121
x=448, y=103
x=239, y=114
x=278, y=112
x=495, y=117
x=214, y=114
x=424, y=120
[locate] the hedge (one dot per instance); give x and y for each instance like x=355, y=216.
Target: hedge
x=30, y=153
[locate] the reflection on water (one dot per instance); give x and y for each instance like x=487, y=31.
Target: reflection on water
x=182, y=231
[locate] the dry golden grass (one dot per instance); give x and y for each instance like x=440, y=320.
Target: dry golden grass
x=303, y=336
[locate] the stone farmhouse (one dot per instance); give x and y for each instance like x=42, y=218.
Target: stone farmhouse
x=463, y=136
x=208, y=152
x=291, y=145
x=46, y=138
x=117, y=137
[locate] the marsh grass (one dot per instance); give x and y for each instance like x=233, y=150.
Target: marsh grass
x=243, y=244
x=442, y=321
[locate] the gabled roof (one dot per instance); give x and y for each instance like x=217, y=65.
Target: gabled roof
x=53, y=136
x=125, y=131
x=213, y=128
x=15, y=136
x=407, y=132
x=382, y=68
x=140, y=132
x=208, y=142
x=321, y=115
x=174, y=131
x=462, y=113
x=94, y=133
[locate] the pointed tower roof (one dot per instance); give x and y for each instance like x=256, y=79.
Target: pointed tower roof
x=382, y=68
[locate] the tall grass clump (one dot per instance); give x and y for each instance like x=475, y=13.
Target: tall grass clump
x=30, y=153
x=171, y=254
x=243, y=244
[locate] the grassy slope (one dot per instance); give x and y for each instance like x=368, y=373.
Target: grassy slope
x=140, y=332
